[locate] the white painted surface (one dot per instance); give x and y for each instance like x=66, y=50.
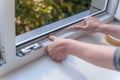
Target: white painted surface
x=117, y=14
x=71, y=68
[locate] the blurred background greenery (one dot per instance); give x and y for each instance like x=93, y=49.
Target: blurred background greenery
x=31, y=14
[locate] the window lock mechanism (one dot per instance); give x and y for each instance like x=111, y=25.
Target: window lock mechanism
x=28, y=49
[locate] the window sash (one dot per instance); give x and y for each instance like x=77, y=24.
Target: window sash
x=45, y=30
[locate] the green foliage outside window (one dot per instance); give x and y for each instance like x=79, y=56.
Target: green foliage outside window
x=31, y=14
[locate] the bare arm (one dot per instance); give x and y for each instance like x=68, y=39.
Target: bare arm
x=96, y=54
x=92, y=24
x=113, y=30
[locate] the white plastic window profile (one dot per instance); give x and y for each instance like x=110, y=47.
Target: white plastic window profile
x=117, y=14
x=9, y=41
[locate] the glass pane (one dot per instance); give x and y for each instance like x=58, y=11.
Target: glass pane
x=31, y=14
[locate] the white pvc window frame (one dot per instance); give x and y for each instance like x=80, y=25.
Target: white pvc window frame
x=9, y=41
x=7, y=30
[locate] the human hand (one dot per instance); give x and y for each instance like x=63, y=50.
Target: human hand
x=58, y=49
x=90, y=24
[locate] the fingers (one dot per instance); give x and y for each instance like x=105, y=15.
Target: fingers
x=78, y=27
x=53, y=38
x=54, y=49
x=55, y=55
x=82, y=24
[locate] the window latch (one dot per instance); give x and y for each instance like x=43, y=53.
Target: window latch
x=28, y=49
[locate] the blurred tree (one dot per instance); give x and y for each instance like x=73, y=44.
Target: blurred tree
x=31, y=14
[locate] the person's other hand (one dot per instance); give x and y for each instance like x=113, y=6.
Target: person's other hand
x=58, y=49
x=90, y=24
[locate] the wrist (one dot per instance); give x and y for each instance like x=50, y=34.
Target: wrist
x=103, y=28
x=98, y=27
x=70, y=44
x=76, y=48
x=112, y=30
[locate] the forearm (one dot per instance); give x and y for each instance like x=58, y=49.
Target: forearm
x=96, y=54
x=113, y=30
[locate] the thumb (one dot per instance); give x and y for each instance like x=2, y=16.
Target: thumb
x=78, y=27
x=53, y=38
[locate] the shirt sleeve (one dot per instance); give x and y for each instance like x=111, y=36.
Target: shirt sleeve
x=116, y=58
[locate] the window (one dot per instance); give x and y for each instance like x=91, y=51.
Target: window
x=51, y=17
x=46, y=16
x=31, y=14
x=21, y=49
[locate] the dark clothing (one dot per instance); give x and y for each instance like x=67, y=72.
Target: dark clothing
x=116, y=59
